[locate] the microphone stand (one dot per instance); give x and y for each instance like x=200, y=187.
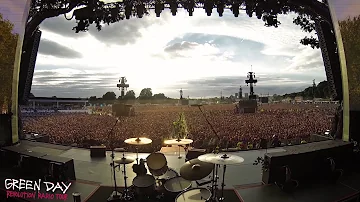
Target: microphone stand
x=214, y=186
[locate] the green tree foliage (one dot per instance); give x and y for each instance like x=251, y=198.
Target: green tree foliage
x=180, y=128
x=130, y=95
x=8, y=44
x=160, y=96
x=322, y=90
x=109, y=96
x=350, y=32
x=145, y=94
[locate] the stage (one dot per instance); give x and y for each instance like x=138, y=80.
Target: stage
x=245, y=179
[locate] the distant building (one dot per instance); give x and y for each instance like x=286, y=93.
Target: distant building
x=236, y=95
x=246, y=95
x=299, y=99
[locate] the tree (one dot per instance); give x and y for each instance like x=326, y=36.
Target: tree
x=8, y=43
x=160, y=96
x=92, y=98
x=109, y=96
x=130, y=95
x=31, y=95
x=145, y=94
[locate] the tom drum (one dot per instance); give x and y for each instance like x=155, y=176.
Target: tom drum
x=157, y=164
x=194, y=195
x=170, y=173
x=144, y=184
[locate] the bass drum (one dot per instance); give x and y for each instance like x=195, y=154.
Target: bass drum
x=194, y=195
x=144, y=185
x=157, y=164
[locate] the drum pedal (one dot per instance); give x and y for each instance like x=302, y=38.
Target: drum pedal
x=115, y=197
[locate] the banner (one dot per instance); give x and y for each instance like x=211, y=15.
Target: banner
x=13, y=18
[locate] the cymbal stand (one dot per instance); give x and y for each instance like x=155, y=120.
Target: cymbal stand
x=223, y=184
x=137, y=155
x=115, y=196
x=179, y=157
x=126, y=195
x=214, y=185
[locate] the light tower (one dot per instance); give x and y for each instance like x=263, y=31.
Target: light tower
x=181, y=94
x=251, y=80
x=123, y=86
x=313, y=89
x=240, y=93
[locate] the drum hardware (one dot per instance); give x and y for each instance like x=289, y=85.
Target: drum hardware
x=179, y=143
x=217, y=160
x=125, y=195
x=138, y=141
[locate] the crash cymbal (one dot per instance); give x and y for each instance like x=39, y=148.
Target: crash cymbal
x=138, y=141
x=221, y=159
x=124, y=160
x=195, y=170
x=178, y=141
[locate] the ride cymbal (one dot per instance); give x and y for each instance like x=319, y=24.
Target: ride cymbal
x=138, y=141
x=124, y=160
x=178, y=141
x=196, y=170
x=221, y=159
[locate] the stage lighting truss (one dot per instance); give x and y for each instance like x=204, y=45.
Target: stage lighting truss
x=98, y=12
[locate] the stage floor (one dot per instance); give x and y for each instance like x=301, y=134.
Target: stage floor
x=245, y=179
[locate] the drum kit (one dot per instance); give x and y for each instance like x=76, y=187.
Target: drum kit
x=165, y=184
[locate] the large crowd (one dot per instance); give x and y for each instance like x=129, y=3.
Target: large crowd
x=285, y=122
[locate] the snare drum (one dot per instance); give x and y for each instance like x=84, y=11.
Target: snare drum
x=170, y=173
x=157, y=164
x=144, y=184
x=177, y=185
x=194, y=195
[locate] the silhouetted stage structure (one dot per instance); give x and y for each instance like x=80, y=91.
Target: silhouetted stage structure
x=92, y=177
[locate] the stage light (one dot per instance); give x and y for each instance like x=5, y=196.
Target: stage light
x=190, y=5
x=140, y=10
x=235, y=9
x=220, y=8
x=159, y=7
x=173, y=7
x=258, y=12
x=128, y=9
x=208, y=6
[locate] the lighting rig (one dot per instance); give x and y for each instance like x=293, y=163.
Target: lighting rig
x=101, y=13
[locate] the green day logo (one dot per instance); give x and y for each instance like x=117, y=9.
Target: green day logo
x=28, y=189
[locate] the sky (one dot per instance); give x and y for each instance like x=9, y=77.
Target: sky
x=13, y=10
x=345, y=9
x=202, y=55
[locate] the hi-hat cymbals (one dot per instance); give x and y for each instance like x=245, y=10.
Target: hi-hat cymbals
x=178, y=142
x=124, y=160
x=138, y=141
x=196, y=170
x=221, y=159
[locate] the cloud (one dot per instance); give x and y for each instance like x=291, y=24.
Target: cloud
x=184, y=46
x=52, y=48
x=61, y=26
